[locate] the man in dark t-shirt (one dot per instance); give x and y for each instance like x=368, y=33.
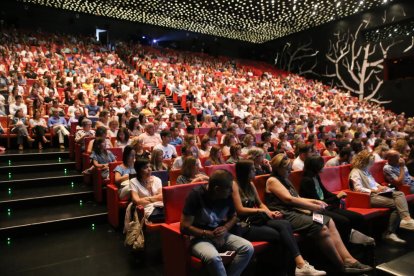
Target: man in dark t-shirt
x=208, y=215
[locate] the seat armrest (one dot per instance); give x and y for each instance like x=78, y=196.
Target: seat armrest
x=357, y=199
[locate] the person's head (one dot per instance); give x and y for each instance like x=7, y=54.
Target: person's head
x=382, y=150
x=19, y=113
x=363, y=160
x=220, y=185
x=101, y=132
x=113, y=124
x=55, y=112
x=357, y=145
x=137, y=143
x=256, y=155
x=313, y=165
x=190, y=167
x=190, y=140
x=401, y=145
x=248, y=140
x=86, y=124
x=190, y=129
x=304, y=151
x=133, y=123
x=165, y=136
x=393, y=157
x=215, y=153
x=128, y=156
x=175, y=132
x=99, y=144
x=235, y=151
x=330, y=145
x=186, y=151
x=245, y=173
x=142, y=168
x=229, y=140
x=205, y=143
x=157, y=156
x=281, y=165
x=122, y=135
x=266, y=136
x=345, y=155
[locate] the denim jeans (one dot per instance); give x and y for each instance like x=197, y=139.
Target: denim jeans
x=207, y=251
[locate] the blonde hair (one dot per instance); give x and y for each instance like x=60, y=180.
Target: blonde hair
x=254, y=153
x=400, y=145
x=279, y=160
x=361, y=160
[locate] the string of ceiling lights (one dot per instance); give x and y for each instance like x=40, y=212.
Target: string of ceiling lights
x=255, y=21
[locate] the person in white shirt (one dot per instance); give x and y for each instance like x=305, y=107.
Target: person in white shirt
x=168, y=150
x=18, y=105
x=381, y=196
x=303, y=152
x=149, y=137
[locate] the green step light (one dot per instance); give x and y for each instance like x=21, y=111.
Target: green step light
x=93, y=226
x=9, y=191
x=80, y=203
x=72, y=184
x=9, y=212
x=8, y=241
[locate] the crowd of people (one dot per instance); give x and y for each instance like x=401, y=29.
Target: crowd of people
x=49, y=82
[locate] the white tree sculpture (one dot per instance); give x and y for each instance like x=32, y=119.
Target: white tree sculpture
x=358, y=65
x=301, y=59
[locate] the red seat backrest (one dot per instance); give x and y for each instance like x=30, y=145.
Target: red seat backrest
x=201, y=130
x=296, y=177
x=377, y=171
x=345, y=171
x=326, y=158
x=112, y=167
x=173, y=175
x=178, y=149
x=331, y=178
x=228, y=167
x=260, y=184
x=174, y=199
x=117, y=152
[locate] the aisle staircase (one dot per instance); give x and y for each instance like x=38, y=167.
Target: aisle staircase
x=40, y=191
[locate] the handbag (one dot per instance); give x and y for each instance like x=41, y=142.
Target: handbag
x=258, y=219
x=134, y=235
x=157, y=215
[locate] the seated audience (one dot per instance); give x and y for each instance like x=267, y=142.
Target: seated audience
x=261, y=165
x=215, y=157
x=281, y=196
x=304, y=151
x=39, y=128
x=146, y=190
x=396, y=173
x=100, y=157
x=190, y=172
x=156, y=160
x=208, y=215
x=168, y=150
x=125, y=171
x=235, y=154
x=272, y=228
x=349, y=224
x=19, y=126
x=344, y=158
x=381, y=196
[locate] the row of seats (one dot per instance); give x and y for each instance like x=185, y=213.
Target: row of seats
x=176, y=247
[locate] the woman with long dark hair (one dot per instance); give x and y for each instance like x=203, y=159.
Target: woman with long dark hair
x=305, y=218
x=146, y=190
x=271, y=227
x=347, y=221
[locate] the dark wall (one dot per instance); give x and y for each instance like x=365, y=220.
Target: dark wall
x=53, y=20
x=315, y=44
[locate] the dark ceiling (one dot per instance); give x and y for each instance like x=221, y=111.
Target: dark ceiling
x=255, y=21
